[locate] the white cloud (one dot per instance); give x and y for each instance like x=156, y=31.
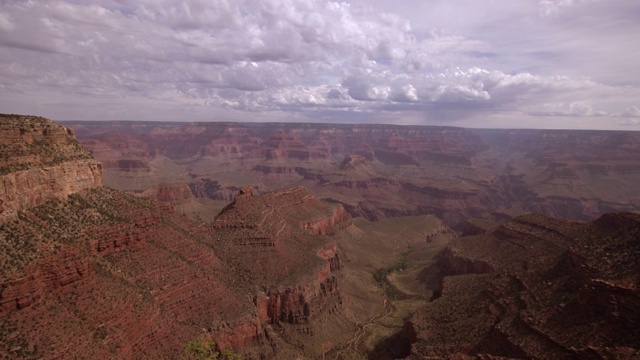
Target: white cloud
x=576, y=108
x=314, y=55
x=6, y=24
x=553, y=7
x=632, y=111
x=628, y=122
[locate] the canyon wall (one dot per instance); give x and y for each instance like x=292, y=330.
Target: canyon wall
x=117, y=275
x=41, y=161
x=91, y=272
x=380, y=171
x=28, y=188
x=537, y=287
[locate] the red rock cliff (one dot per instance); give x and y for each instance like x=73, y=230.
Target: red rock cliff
x=40, y=161
x=96, y=273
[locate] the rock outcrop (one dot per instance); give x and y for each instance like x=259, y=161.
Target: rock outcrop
x=287, y=146
x=40, y=161
x=174, y=194
x=142, y=281
x=538, y=287
x=280, y=242
x=352, y=162
x=107, y=274
x=91, y=272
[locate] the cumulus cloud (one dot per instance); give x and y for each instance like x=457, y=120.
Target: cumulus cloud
x=294, y=56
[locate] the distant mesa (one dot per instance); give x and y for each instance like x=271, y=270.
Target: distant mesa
x=283, y=145
x=453, y=173
x=625, y=140
x=352, y=162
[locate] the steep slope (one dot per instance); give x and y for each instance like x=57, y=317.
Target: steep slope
x=106, y=275
x=278, y=242
x=537, y=287
x=40, y=161
x=95, y=273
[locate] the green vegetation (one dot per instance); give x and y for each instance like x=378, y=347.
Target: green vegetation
x=16, y=347
x=202, y=349
x=381, y=274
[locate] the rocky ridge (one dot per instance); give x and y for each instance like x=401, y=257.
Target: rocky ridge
x=380, y=171
x=269, y=236
x=565, y=290
x=135, y=274
x=91, y=272
x=40, y=161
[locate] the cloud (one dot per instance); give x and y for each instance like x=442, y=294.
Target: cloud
x=577, y=108
x=628, y=122
x=631, y=112
x=245, y=45
x=553, y=7
x=306, y=56
x=6, y=24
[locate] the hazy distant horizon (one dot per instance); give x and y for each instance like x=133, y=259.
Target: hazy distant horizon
x=547, y=64
x=335, y=124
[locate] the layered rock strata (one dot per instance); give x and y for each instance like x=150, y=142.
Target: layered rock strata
x=537, y=287
x=91, y=272
x=281, y=238
x=40, y=161
x=380, y=171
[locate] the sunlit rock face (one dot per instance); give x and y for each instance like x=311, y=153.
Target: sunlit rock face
x=41, y=160
x=92, y=272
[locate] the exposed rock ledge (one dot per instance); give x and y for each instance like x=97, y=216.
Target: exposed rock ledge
x=41, y=160
x=28, y=188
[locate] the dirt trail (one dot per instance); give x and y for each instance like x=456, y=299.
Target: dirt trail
x=390, y=312
x=362, y=330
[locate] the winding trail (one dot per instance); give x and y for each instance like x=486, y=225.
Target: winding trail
x=355, y=340
x=362, y=330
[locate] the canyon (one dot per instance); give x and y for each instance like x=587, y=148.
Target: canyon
x=567, y=290
x=316, y=241
x=374, y=171
x=96, y=273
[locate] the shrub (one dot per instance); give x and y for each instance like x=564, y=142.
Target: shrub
x=202, y=349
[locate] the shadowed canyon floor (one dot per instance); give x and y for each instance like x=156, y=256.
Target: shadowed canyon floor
x=274, y=272
x=566, y=290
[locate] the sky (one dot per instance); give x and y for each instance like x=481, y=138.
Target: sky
x=571, y=64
